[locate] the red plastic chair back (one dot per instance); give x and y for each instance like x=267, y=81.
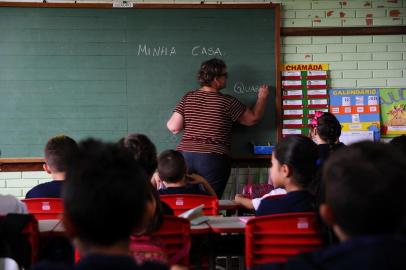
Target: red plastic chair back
x=175, y=234
x=275, y=238
x=45, y=208
x=31, y=233
x=173, y=238
x=183, y=202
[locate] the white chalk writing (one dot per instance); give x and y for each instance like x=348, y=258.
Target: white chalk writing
x=200, y=50
x=143, y=49
x=241, y=88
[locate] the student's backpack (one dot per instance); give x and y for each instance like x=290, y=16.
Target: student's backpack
x=15, y=242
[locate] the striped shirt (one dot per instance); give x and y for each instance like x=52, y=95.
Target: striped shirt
x=208, y=118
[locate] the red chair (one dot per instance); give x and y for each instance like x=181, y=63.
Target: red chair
x=45, y=208
x=175, y=234
x=183, y=202
x=31, y=233
x=173, y=239
x=274, y=238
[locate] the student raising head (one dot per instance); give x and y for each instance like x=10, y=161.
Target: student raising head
x=293, y=168
x=172, y=171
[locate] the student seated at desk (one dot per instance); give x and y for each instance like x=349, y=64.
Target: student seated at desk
x=105, y=200
x=366, y=207
x=253, y=204
x=172, y=171
x=293, y=168
x=57, y=152
x=144, y=152
x=325, y=130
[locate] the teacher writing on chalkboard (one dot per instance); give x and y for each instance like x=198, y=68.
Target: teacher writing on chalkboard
x=206, y=117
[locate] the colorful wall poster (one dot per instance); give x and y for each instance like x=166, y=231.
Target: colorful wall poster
x=393, y=111
x=304, y=92
x=356, y=109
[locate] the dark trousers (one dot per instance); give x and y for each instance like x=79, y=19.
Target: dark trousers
x=215, y=168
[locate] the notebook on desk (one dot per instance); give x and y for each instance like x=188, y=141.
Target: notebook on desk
x=195, y=215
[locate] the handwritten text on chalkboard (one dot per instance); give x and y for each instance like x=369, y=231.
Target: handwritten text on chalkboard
x=144, y=50
x=241, y=88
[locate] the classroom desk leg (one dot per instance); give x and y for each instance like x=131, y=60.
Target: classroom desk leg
x=200, y=254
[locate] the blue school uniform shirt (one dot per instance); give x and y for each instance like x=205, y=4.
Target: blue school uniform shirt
x=295, y=201
x=51, y=189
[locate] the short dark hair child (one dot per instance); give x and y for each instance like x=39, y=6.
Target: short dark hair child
x=172, y=171
x=171, y=166
x=57, y=153
x=293, y=168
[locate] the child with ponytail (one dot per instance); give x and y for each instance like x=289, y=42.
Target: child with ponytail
x=293, y=167
x=325, y=130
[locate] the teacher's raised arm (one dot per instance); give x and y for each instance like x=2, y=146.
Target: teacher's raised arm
x=206, y=117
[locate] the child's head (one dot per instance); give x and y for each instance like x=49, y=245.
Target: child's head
x=105, y=197
x=143, y=149
x=365, y=190
x=326, y=126
x=171, y=166
x=57, y=153
x=294, y=158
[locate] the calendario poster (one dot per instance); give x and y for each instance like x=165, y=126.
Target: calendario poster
x=358, y=111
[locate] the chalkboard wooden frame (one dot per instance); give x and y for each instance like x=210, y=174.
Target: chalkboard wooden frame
x=276, y=7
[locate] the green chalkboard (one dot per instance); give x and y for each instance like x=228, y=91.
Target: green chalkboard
x=107, y=72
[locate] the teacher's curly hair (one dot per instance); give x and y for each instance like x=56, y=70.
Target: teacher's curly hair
x=209, y=70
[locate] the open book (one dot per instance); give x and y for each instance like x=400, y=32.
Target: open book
x=195, y=215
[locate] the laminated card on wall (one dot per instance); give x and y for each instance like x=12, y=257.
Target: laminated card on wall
x=357, y=110
x=304, y=91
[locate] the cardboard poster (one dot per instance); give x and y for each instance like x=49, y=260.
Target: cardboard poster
x=357, y=109
x=393, y=111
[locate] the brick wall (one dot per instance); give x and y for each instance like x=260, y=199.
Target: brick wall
x=18, y=183
x=355, y=61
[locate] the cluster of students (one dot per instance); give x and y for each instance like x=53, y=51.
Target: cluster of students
x=111, y=191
